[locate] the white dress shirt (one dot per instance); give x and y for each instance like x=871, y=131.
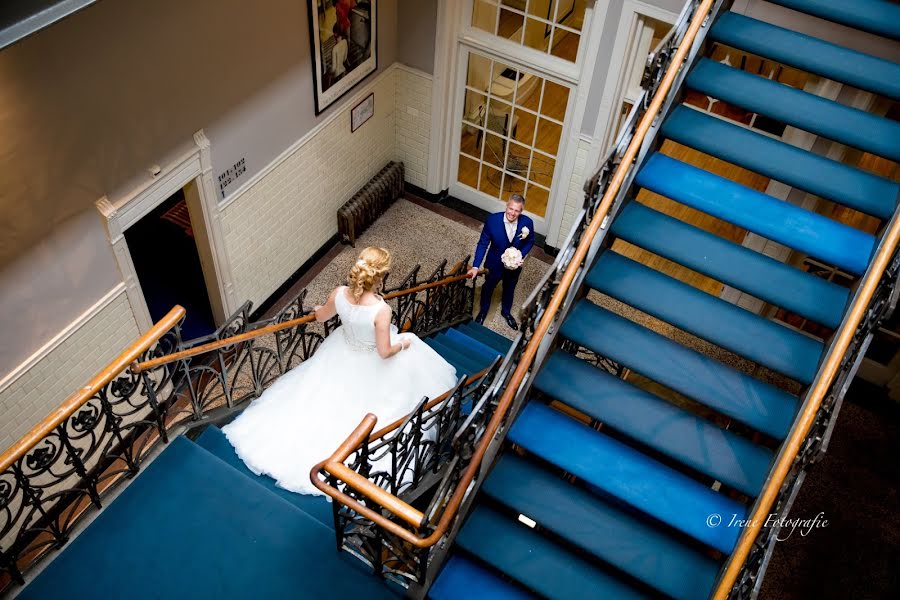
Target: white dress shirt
x=511, y=227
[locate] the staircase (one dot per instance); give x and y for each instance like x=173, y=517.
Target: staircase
x=610, y=489
x=197, y=523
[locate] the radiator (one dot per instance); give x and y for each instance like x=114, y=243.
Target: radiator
x=370, y=202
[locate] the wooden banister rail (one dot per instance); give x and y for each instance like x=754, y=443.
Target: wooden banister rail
x=806, y=419
x=76, y=400
x=335, y=466
x=307, y=318
x=549, y=314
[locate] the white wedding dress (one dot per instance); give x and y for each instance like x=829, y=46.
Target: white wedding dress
x=304, y=416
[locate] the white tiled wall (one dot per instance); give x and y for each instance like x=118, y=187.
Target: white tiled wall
x=413, y=122
x=71, y=364
x=575, y=194
x=288, y=212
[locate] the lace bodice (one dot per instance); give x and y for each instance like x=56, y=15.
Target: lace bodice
x=358, y=321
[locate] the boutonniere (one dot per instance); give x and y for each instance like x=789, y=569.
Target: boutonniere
x=524, y=233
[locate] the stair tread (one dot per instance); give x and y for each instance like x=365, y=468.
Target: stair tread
x=800, y=109
x=745, y=333
x=808, y=53
x=757, y=274
x=626, y=474
x=880, y=17
x=535, y=561
x=474, y=357
x=830, y=179
x=738, y=395
x=609, y=533
x=213, y=440
x=488, y=336
x=463, y=365
x=227, y=524
x=487, y=353
x=460, y=576
x=642, y=416
x=783, y=222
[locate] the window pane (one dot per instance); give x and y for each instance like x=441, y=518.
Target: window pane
x=530, y=93
x=511, y=185
x=470, y=140
x=468, y=172
x=571, y=13
x=511, y=25
x=565, y=44
x=541, y=169
x=543, y=9
x=535, y=36
x=490, y=181
x=484, y=16
x=475, y=108
x=498, y=117
x=524, y=126
x=556, y=97
x=479, y=72
x=494, y=151
x=548, y=135
x=517, y=160
x=536, y=199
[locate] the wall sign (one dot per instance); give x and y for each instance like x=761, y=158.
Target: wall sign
x=362, y=112
x=231, y=175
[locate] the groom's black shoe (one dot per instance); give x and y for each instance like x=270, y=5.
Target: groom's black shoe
x=511, y=322
x=480, y=318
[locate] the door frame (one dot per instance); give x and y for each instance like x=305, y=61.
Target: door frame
x=191, y=170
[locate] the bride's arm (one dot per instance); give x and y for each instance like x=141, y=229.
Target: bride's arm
x=328, y=310
x=383, y=335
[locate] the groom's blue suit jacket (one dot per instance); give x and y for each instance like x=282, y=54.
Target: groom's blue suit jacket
x=493, y=241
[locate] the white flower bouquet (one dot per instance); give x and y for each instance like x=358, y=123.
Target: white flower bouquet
x=512, y=258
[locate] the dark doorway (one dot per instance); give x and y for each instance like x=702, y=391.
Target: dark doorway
x=167, y=263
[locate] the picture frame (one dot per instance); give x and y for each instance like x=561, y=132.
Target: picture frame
x=362, y=112
x=343, y=46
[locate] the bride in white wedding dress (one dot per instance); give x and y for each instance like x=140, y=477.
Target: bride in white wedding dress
x=363, y=366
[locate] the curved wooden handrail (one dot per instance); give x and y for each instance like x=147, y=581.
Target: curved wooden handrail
x=307, y=318
x=335, y=464
x=76, y=400
x=553, y=305
x=808, y=416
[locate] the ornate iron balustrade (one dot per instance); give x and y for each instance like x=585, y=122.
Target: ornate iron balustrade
x=48, y=487
x=815, y=443
x=418, y=460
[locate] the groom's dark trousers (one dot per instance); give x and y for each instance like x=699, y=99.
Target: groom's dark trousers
x=491, y=246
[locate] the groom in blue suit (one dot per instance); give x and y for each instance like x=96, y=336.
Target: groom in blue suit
x=501, y=231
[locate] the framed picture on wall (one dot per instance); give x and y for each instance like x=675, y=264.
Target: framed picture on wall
x=343, y=46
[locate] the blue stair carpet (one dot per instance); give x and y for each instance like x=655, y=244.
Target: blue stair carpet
x=214, y=441
x=656, y=423
x=751, y=401
x=464, y=365
x=732, y=264
x=795, y=107
x=745, y=333
x=190, y=526
x=612, y=535
x=818, y=236
x=624, y=473
x=472, y=347
x=880, y=17
x=535, y=561
x=809, y=54
x=486, y=336
x=461, y=578
x=773, y=158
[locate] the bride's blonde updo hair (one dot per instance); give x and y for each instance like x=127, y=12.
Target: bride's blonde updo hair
x=368, y=271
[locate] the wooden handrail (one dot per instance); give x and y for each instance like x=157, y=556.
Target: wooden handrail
x=307, y=318
x=335, y=464
x=805, y=422
x=553, y=305
x=76, y=400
